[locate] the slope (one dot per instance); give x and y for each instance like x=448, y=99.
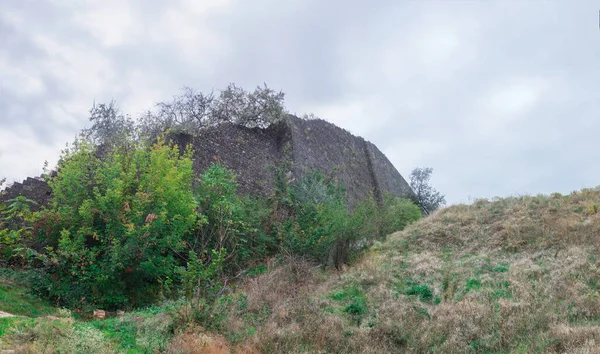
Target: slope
x=513, y=275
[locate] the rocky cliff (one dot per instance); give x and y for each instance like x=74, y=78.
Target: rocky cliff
x=300, y=146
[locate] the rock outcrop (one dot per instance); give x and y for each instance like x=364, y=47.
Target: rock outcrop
x=300, y=146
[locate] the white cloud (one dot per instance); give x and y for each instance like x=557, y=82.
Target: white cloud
x=408, y=154
x=24, y=84
x=451, y=85
x=111, y=22
x=81, y=67
x=21, y=156
x=358, y=115
x=516, y=98
x=499, y=112
x=189, y=29
x=141, y=92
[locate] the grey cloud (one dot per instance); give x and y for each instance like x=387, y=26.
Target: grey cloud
x=498, y=97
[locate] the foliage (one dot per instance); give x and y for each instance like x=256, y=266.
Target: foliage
x=199, y=276
x=109, y=126
x=145, y=331
x=120, y=228
x=116, y=225
x=445, y=284
x=319, y=224
x=193, y=111
x=229, y=221
x=397, y=213
x=16, y=230
x=16, y=297
x=318, y=216
x=259, y=108
x=428, y=198
x=422, y=291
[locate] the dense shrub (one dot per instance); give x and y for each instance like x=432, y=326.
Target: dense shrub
x=127, y=227
x=397, y=213
x=16, y=231
x=322, y=227
x=318, y=214
x=117, y=225
x=229, y=220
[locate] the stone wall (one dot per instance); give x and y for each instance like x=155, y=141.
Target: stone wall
x=322, y=146
x=386, y=178
x=300, y=145
x=252, y=153
x=35, y=189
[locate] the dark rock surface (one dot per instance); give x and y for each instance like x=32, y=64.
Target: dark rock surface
x=35, y=189
x=300, y=146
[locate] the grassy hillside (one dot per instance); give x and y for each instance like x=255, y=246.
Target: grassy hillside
x=513, y=275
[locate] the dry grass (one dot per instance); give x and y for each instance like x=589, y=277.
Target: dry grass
x=514, y=275
x=196, y=341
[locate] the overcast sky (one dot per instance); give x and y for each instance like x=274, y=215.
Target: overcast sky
x=499, y=97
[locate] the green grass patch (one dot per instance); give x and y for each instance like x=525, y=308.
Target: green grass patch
x=257, y=270
x=472, y=285
x=16, y=300
x=501, y=268
x=121, y=332
x=411, y=288
x=357, y=307
x=422, y=291
x=355, y=302
x=501, y=293
x=7, y=323
x=346, y=293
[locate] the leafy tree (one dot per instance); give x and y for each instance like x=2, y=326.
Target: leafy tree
x=109, y=126
x=313, y=220
x=320, y=225
x=428, y=198
x=117, y=226
x=199, y=276
x=259, y=108
x=188, y=112
x=192, y=111
x=318, y=211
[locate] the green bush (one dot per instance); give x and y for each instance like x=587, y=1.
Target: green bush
x=322, y=227
x=117, y=224
x=356, y=302
x=229, y=221
x=129, y=228
x=126, y=227
x=397, y=213
x=16, y=231
x=199, y=276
